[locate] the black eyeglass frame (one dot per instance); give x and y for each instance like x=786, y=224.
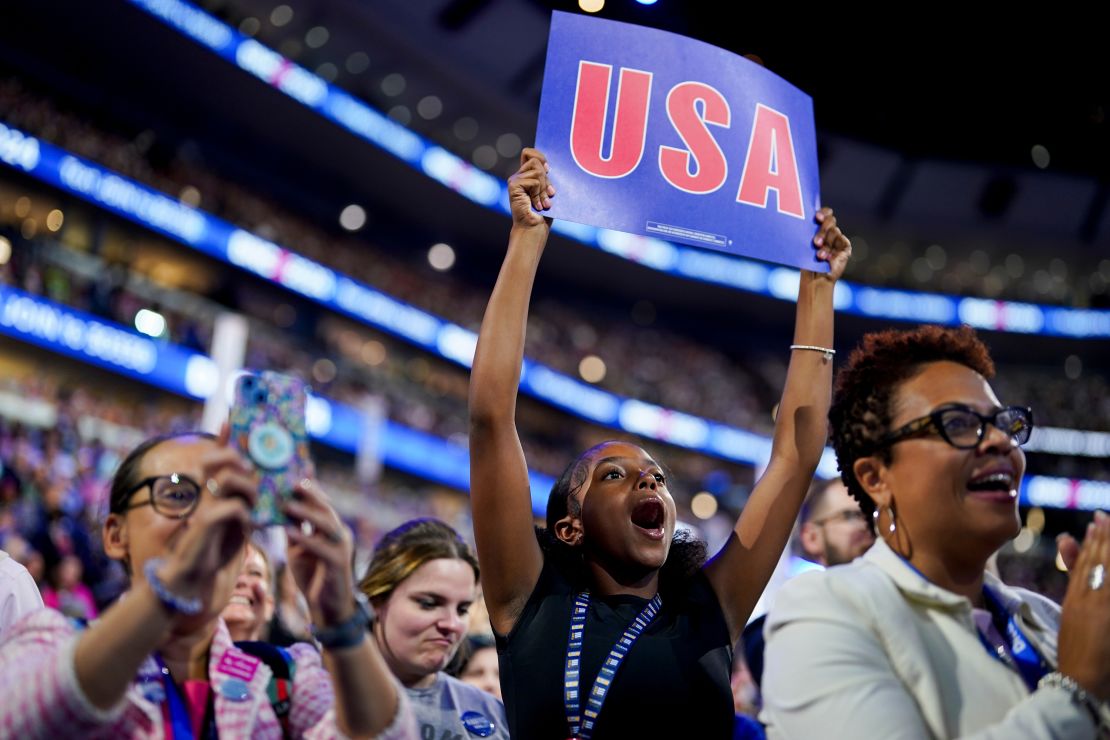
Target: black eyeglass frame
x=175, y=478
x=848, y=516
x=934, y=418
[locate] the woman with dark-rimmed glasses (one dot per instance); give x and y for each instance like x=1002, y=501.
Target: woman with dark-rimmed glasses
x=916, y=639
x=160, y=663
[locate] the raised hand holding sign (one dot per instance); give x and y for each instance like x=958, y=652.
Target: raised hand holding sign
x=655, y=134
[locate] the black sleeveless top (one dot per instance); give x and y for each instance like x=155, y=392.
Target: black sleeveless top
x=673, y=684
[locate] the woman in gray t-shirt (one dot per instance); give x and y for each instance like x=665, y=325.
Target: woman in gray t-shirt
x=422, y=581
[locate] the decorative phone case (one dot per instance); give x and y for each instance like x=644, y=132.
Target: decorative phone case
x=268, y=427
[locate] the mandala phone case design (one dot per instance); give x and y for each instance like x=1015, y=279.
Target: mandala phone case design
x=268, y=427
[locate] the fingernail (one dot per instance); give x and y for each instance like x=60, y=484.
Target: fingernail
x=1091, y=528
x=819, y=240
x=546, y=202
x=306, y=483
x=1100, y=516
x=820, y=215
x=546, y=167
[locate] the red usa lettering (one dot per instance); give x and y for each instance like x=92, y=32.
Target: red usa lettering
x=770, y=163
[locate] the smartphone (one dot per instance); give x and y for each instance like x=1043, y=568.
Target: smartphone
x=268, y=428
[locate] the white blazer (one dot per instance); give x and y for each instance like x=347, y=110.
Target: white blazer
x=874, y=650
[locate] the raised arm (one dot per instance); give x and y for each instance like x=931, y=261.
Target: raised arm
x=744, y=565
x=510, y=557
x=368, y=700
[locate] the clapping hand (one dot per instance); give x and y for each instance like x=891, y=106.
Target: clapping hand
x=1084, y=641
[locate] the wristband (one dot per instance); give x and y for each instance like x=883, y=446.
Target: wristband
x=1079, y=695
x=179, y=604
x=350, y=633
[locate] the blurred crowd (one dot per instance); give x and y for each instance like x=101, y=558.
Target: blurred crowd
x=350, y=362
x=559, y=335
x=736, y=391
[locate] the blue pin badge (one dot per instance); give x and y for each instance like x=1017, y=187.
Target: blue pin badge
x=154, y=691
x=150, y=681
x=477, y=724
x=234, y=689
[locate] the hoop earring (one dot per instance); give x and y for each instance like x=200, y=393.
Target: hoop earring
x=875, y=515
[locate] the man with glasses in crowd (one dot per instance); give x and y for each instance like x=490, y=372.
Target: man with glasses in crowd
x=832, y=529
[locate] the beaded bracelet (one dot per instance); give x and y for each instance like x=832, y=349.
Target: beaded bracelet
x=1079, y=695
x=173, y=602
x=812, y=348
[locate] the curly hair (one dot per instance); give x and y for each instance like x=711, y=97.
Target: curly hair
x=861, y=409
x=686, y=556
x=404, y=549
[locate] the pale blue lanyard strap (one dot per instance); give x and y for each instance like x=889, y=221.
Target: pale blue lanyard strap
x=582, y=723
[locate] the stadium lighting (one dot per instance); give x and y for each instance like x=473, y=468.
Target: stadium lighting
x=429, y=107
x=316, y=37
x=703, y=505
x=54, y=219
x=441, y=257
x=592, y=369
x=1040, y=155
x=353, y=217
x=281, y=15
x=151, y=323
x=393, y=84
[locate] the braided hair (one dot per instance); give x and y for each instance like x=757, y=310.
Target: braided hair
x=686, y=556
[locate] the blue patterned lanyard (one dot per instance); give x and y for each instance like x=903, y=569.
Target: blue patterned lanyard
x=175, y=714
x=177, y=723
x=582, y=723
x=1022, y=656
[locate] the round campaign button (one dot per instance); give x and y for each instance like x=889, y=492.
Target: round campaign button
x=235, y=689
x=270, y=446
x=154, y=691
x=477, y=724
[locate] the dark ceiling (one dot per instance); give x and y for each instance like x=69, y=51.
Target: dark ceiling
x=927, y=81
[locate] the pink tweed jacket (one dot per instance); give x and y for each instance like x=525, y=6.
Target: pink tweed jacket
x=40, y=696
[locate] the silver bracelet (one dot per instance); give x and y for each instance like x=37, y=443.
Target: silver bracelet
x=825, y=350
x=1079, y=695
x=181, y=604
